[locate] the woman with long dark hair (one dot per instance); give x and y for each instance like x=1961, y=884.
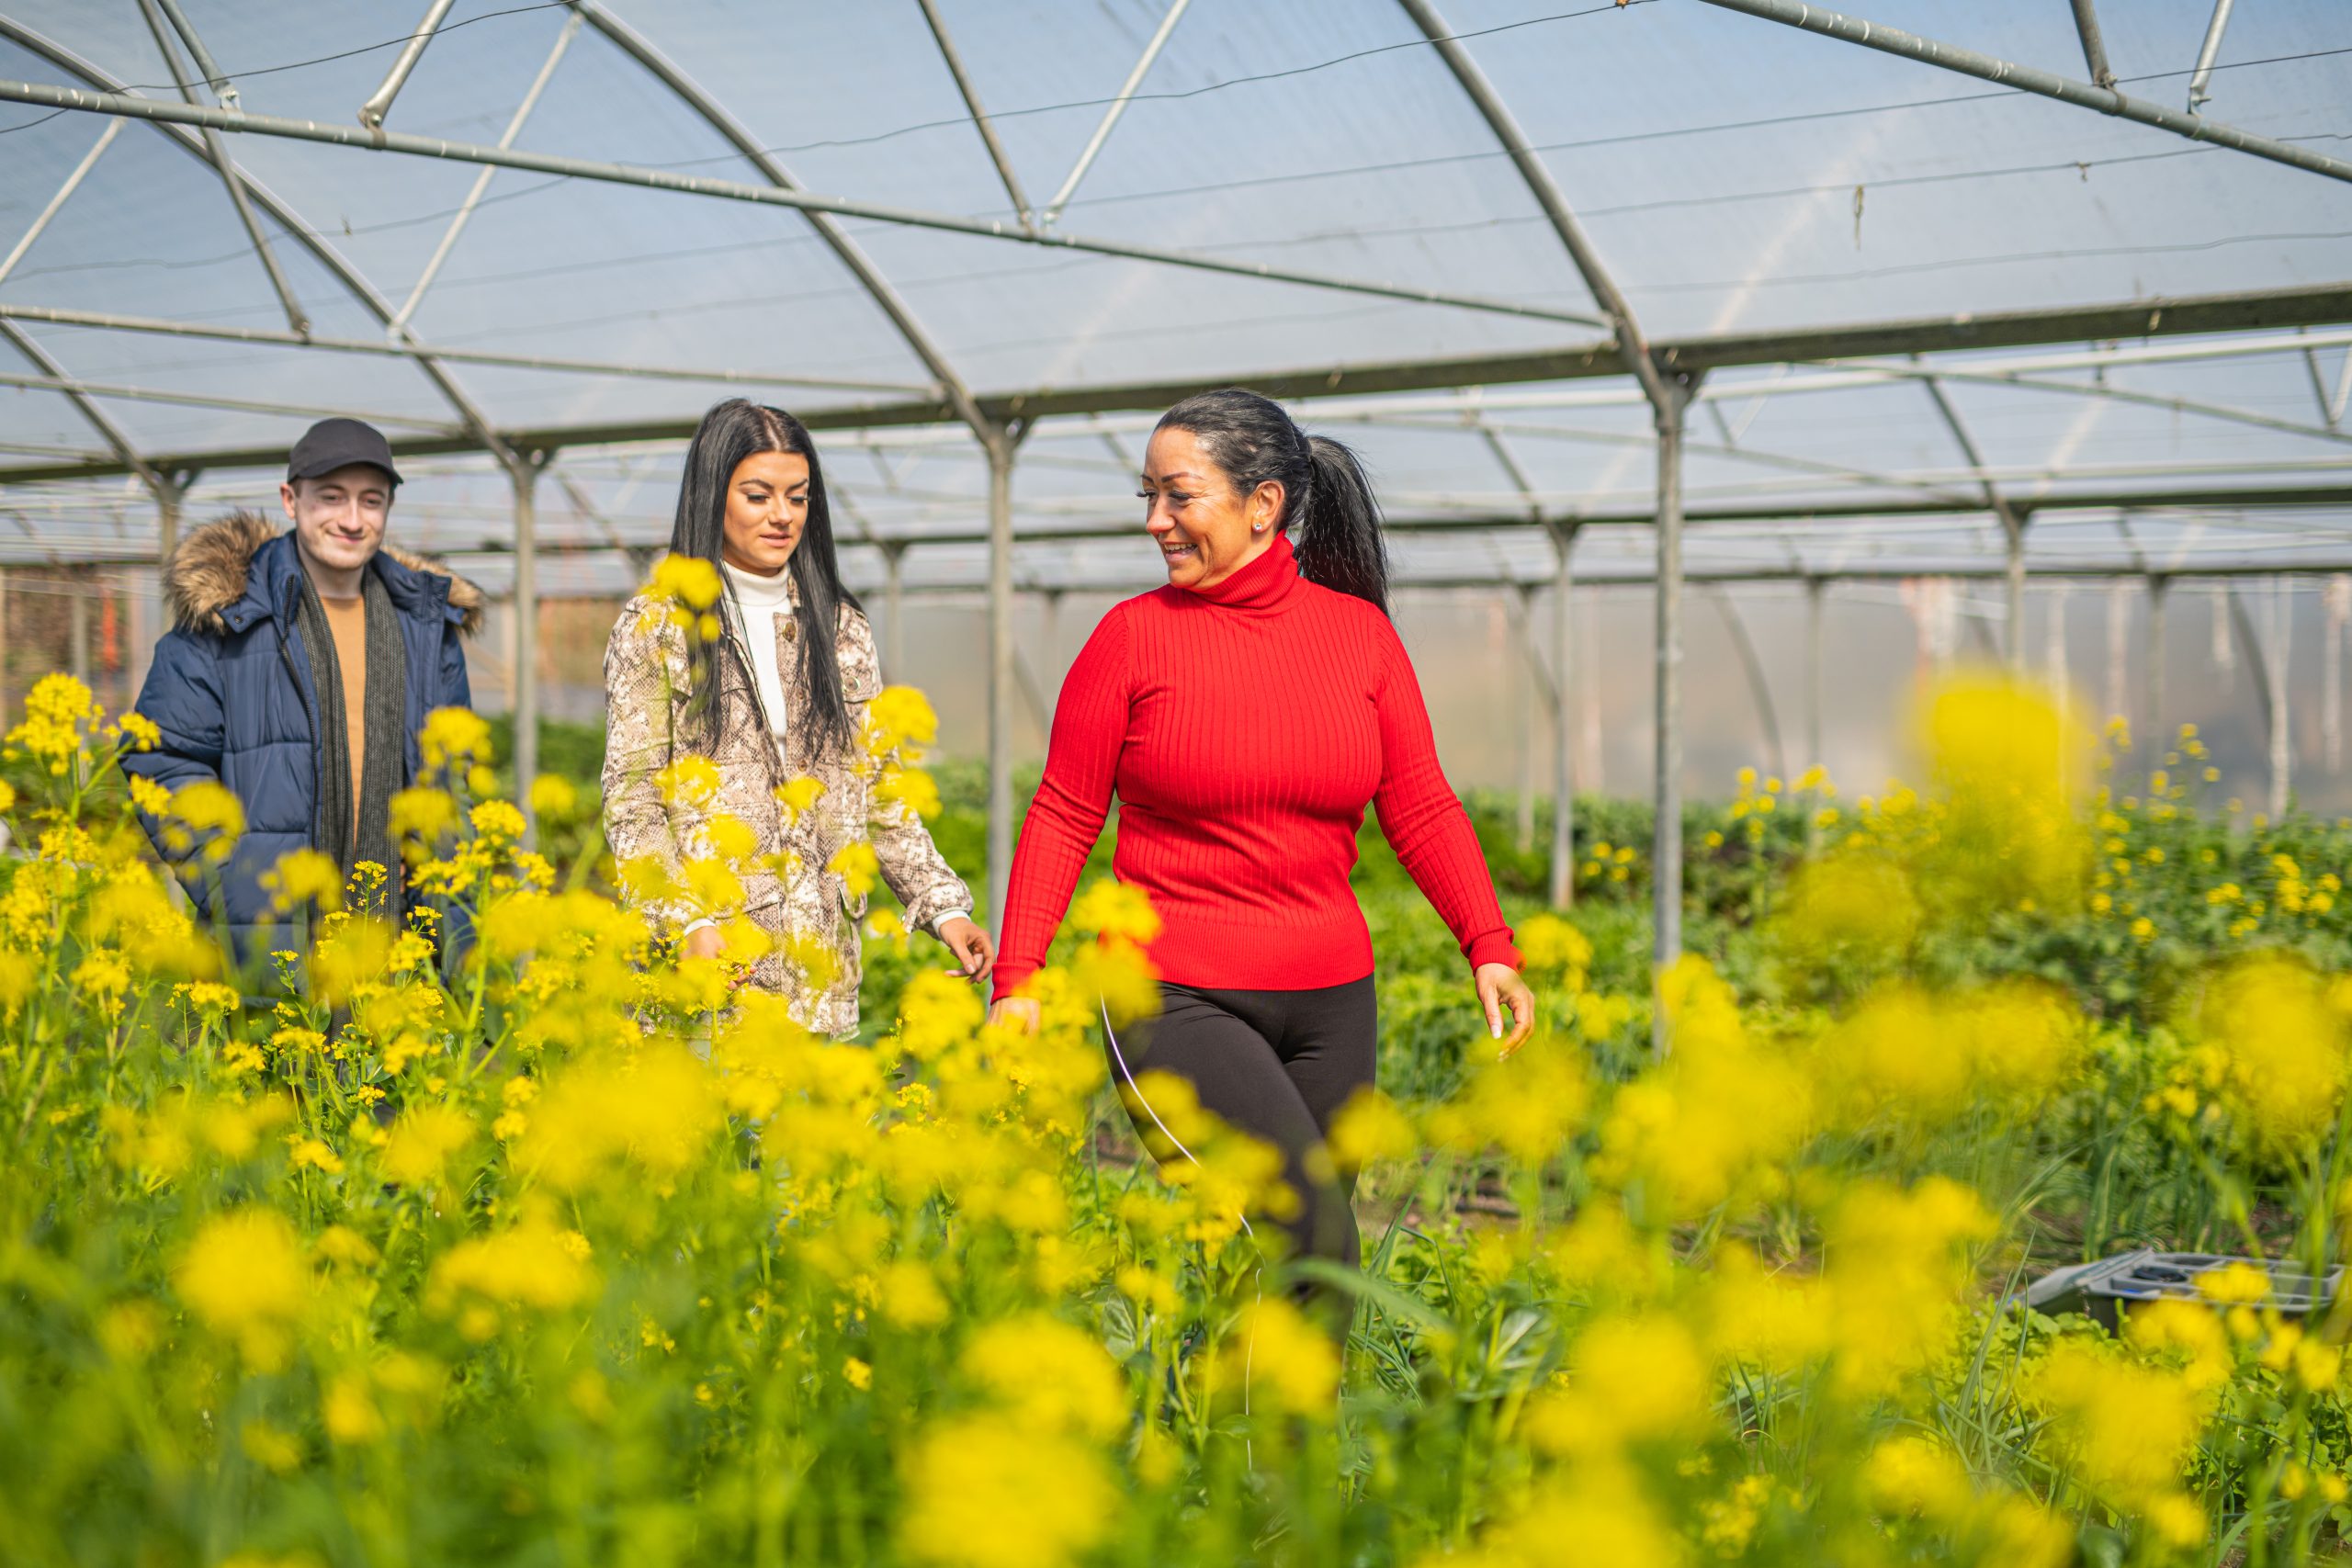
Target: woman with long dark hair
x=1245, y=714
x=775, y=699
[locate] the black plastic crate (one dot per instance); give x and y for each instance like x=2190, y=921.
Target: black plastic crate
x=2105, y=1288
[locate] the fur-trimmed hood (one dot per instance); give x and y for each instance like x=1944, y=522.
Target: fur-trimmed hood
x=211, y=572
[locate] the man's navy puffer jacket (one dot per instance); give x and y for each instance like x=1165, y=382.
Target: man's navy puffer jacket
x=232, y=691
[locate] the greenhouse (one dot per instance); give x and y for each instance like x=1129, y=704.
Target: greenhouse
x=1729, y=370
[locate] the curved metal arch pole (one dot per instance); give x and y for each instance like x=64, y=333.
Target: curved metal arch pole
x=996, y=440
x=980, y=121
x=231, y=176
x=95, y=417
x=641, y=50
x=521, y=474
x=167, y=493
x=1669, y=399
x=349, y=277
x=1811, y=18
x=643, y=178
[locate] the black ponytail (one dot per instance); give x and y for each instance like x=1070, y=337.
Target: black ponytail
x=1327, y=505
x=729, y=433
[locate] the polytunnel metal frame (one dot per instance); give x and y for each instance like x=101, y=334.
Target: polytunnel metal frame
x=1667, y=374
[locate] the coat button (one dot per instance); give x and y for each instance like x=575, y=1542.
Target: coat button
x=791, y=631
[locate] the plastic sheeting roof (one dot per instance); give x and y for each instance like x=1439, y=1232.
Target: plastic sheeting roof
x=1735, y=175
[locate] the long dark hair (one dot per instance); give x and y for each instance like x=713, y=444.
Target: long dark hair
x=729, y=433
x=1328, y=509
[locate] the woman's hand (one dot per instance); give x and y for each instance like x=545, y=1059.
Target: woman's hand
x=971, y=946
x=703, y=941
x=1016, y=1013
x=1499, y=987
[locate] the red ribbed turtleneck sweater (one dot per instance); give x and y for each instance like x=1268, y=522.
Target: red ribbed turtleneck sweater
x=1244, y=728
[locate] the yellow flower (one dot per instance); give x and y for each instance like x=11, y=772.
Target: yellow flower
x=1118, y=910
x=2130, y=1429
x=1917, y=1477
x=422, y=1142
x=1285, y=1360
x=303, y=877
x=984, y=1492
x=534, y=1263
x=349, y=1411
x=900, y=719
x=1370, y=1126
x=453, y=735
x=245, y=1277
x=554, y=801
x=798, y=796
x=1050, y=1376
x=688, y=580
x=498, y=820
x=427, y=815
x=692, y=781
x=857, y=866
x=206, y=816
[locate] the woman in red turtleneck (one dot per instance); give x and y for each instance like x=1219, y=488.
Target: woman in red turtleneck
x=1245, y=714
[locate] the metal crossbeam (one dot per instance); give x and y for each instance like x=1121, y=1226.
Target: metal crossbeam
x=408, y=347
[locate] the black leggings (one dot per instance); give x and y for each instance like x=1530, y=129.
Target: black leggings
x=1278, y=1065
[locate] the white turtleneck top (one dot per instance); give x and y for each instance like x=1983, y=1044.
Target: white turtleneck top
x=768, y=605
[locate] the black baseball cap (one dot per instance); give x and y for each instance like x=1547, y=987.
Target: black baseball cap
x=334, y=444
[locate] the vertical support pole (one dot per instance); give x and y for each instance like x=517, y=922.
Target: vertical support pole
x=2338, y=604
x=1592, y=762
x=1665, y=851
x=2061, y=686
x=1523, y=689
x=1000, y=443
x=6, y=646
x=2159, y=588
x=2118, y=638
x=894, y=609
x=2224, y=654
x=1563, y=888
x=525, y=474
x=2282, y=753
x=1049, y=675
x=171, y=494
x=2013, y=545
x=77, y=602
x=1815, y=592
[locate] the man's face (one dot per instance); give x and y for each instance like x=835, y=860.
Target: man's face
x=339, y=517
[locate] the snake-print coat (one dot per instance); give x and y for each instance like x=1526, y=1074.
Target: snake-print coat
x=788, y=889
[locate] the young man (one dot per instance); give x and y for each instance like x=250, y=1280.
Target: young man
x=299, y=668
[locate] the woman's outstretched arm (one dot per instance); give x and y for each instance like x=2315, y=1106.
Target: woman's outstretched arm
x=1438, y=848
x=1065, y=820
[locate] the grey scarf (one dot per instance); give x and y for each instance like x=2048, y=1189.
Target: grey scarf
x=381, y=765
